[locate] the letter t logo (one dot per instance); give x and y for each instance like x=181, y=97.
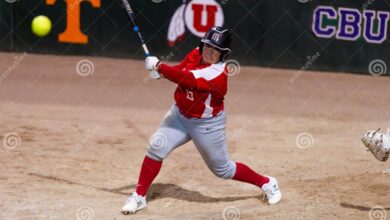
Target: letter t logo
x=72, y=33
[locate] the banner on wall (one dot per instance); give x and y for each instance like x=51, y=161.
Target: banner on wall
x=346, y=35
x=197, y=16
x=351, y=24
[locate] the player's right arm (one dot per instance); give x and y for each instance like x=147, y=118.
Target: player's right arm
x=156, y=75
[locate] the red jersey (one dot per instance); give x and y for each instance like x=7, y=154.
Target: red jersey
x=201, y=87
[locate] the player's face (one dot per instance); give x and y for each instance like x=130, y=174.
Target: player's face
x=210, y=54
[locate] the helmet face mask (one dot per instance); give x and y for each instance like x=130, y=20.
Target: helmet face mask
x=220, y=39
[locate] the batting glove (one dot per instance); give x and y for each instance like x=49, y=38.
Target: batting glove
x=155, y=75
x=151, y=63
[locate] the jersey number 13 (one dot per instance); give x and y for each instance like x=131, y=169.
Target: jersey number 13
x=190, y=95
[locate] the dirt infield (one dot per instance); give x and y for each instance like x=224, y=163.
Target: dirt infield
x=76, y=143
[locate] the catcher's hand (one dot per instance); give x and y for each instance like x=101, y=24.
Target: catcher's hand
x=378, y=144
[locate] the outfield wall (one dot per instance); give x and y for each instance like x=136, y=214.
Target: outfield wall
x=6, y=43
x=317, y=35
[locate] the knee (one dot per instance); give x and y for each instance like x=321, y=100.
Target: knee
x=158, y=141
x=156, y=154
x=158, y=147
x=226, y=171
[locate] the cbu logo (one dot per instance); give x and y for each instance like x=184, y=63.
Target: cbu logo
x=349, y=24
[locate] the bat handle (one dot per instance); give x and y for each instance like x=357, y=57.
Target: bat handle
x=147, y=54
x=136, y=30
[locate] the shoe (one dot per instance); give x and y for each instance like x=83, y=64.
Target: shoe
x=272, y=191
x=133, y=204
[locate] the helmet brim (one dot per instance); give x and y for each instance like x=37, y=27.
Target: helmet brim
x=209, y=42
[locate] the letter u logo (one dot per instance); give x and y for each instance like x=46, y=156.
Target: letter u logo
x=210, y=16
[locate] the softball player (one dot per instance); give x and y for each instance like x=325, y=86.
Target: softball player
x=198, y=115
x=378, y=144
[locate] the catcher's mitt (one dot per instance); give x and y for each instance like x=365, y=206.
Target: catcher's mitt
x=378, y=144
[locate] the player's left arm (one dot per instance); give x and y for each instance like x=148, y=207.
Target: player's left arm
x=195, y=79
x=182, y=77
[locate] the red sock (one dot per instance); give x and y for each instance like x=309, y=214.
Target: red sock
x=246, y=174
x=149, y=171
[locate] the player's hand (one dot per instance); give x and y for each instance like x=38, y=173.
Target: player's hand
x=155, y=75
x=151, y=63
